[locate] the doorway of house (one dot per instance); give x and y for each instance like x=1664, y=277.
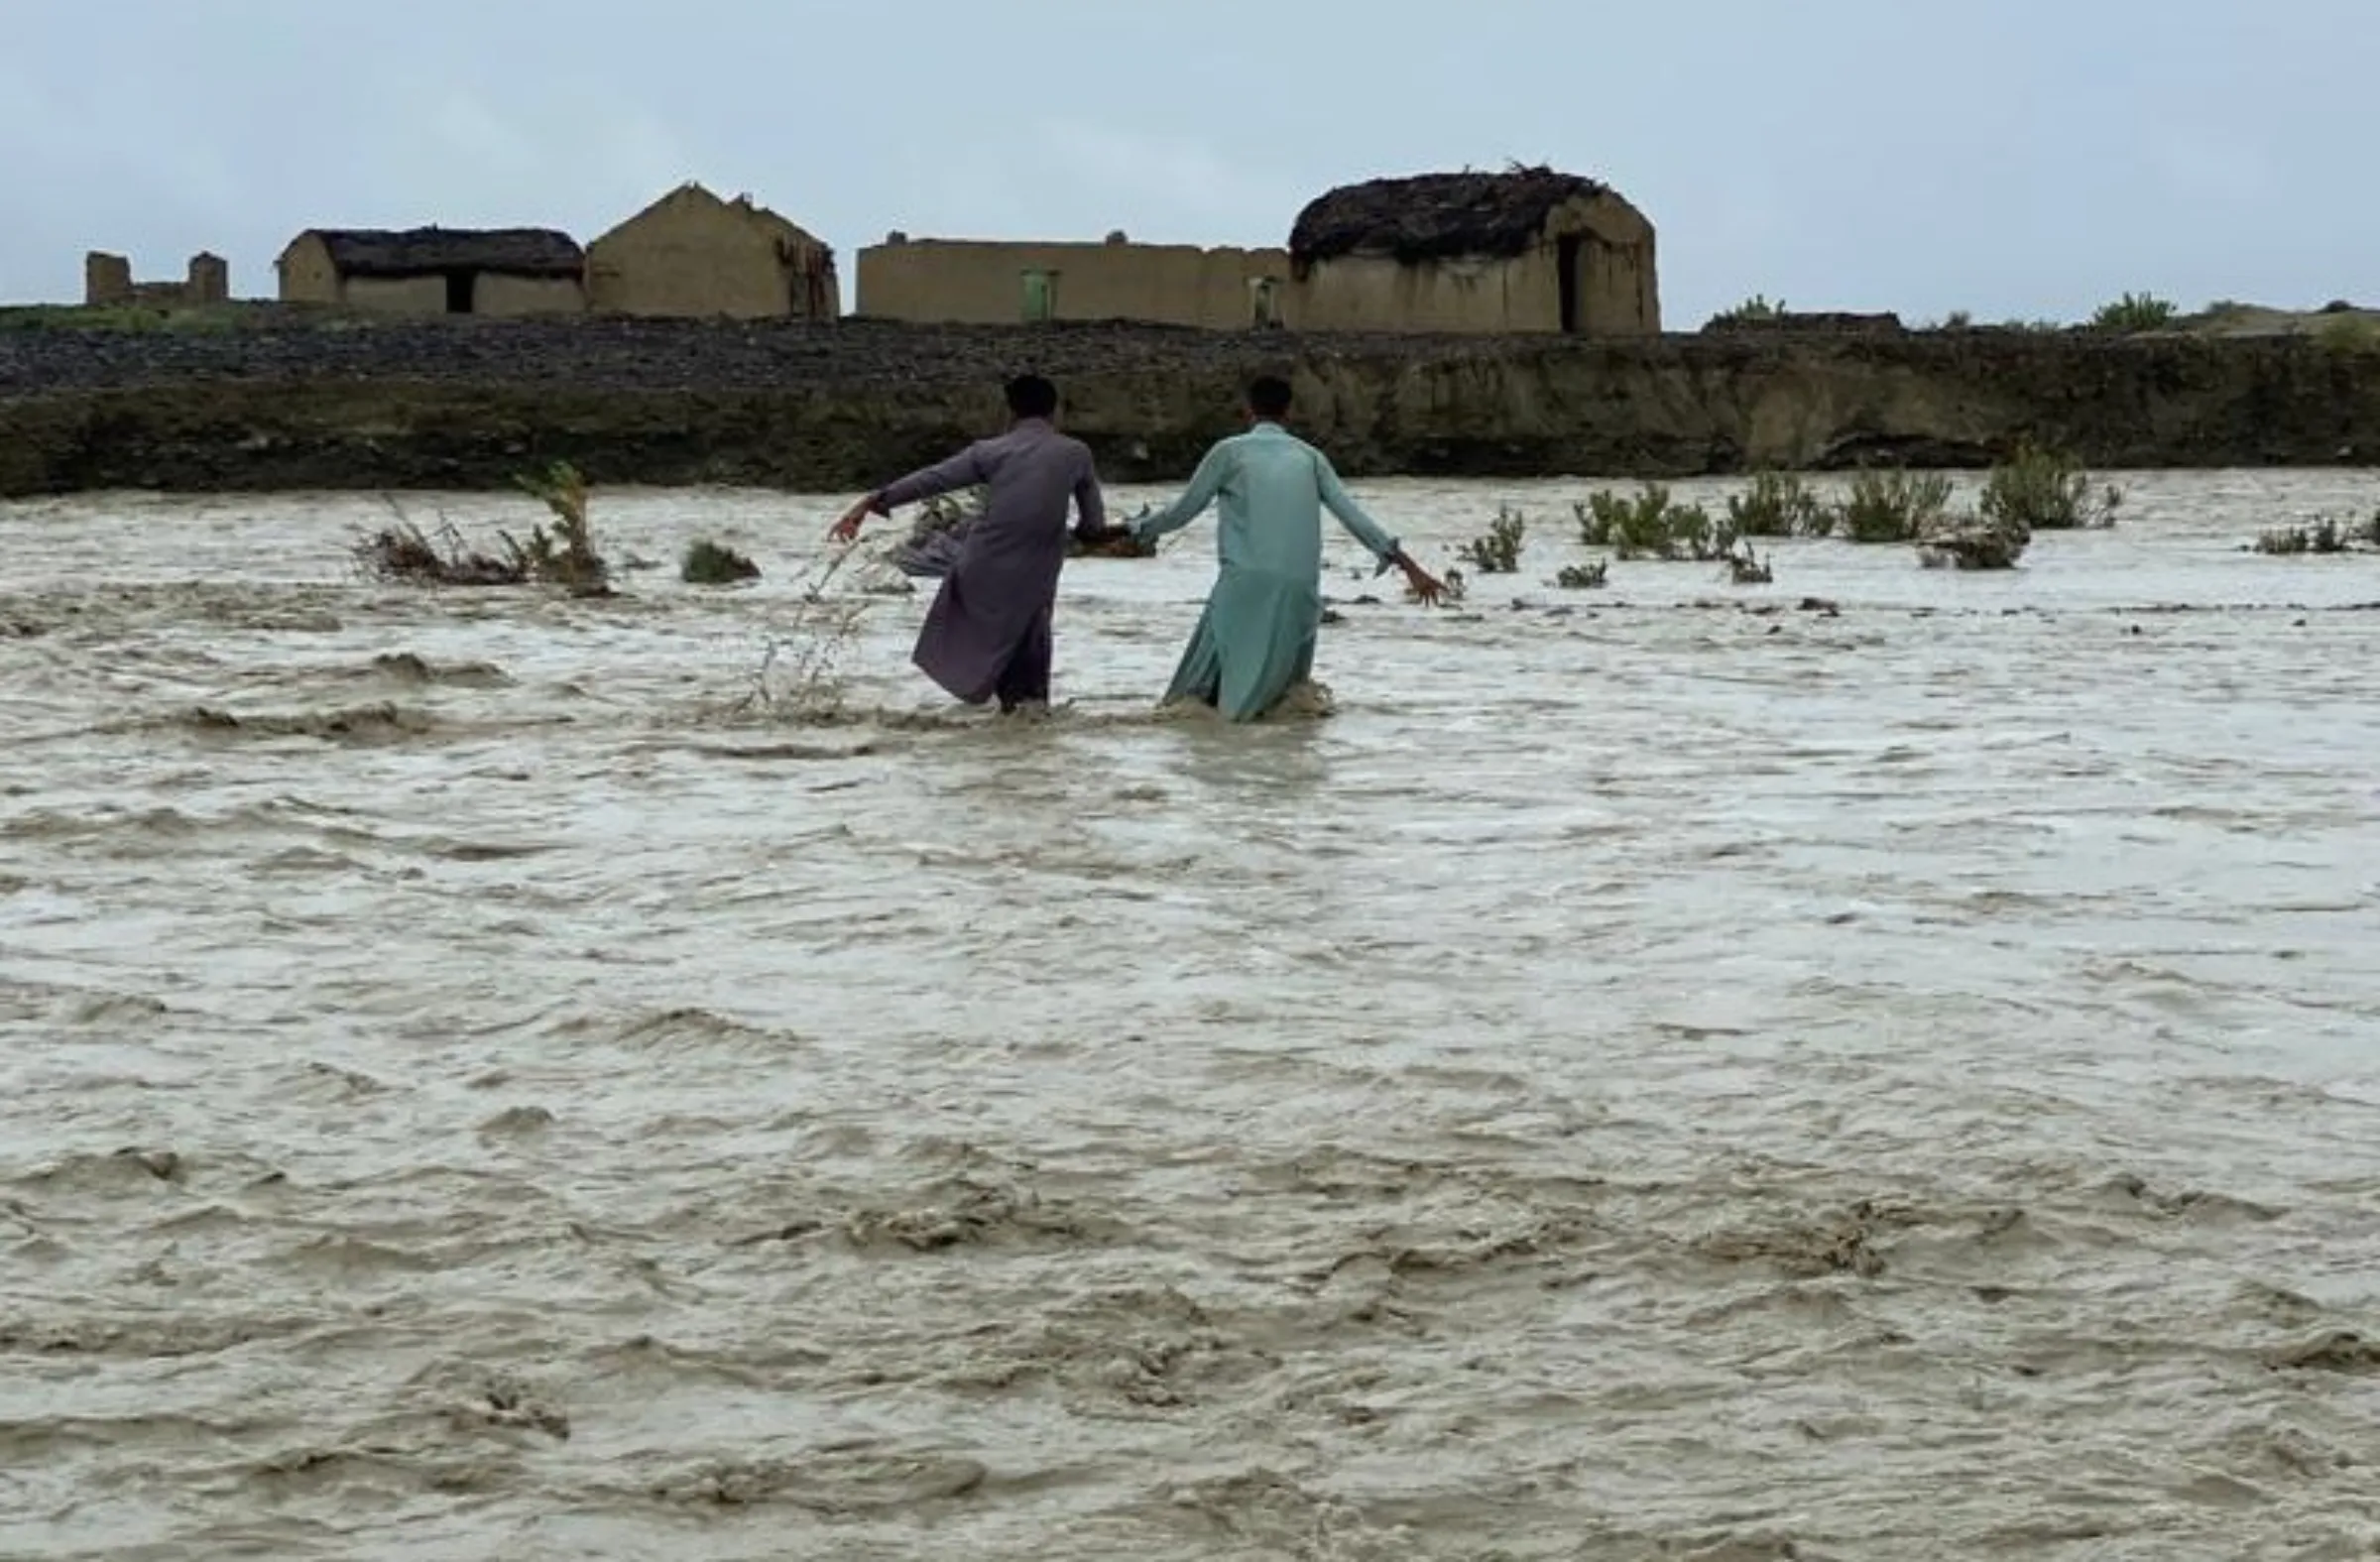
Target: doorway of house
x=458, y=291
x=1040, y=296
x=1264, y=304
x=1567, y=254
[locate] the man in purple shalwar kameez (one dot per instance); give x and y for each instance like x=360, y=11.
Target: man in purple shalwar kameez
x=988, y=634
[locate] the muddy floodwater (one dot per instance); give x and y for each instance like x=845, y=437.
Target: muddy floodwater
x=1668, y=1070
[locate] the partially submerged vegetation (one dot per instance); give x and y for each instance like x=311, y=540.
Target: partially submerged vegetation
x=1498, y=553
x=1652, y=526
x=1778, y=504
x=1890, y=505
x=1971, y=541
x=1895, y=506
x=2047, y=491
x=564, y=557
x=712, y=563
x=2325, y=534
x=2036, y=489
x=2033, y=490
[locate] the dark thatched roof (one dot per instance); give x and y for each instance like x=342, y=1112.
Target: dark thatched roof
x=1431, y=216
x=419, y=252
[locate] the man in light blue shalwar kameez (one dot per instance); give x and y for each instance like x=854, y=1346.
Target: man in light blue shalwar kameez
x=1255, y=639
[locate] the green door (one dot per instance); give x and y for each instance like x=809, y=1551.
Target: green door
x=1040, y=296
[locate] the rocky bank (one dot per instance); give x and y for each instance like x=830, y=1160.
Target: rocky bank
x=282, y=402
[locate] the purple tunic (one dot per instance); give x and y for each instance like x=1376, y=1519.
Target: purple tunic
x=989, y=630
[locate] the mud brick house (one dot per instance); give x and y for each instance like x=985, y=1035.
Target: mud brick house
x=1524, y=249
x=436, y=271
x=978, y=281
x=693, y=254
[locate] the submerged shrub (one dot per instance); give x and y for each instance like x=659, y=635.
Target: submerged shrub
x=1583, y=577
x=709, y=563
x=1972, y=543
x=567, y=556
x=1498, y=553
x=2327, y=534
x=1651, y=525
x=564, y=557
x=1747, y=568
x=1778, y=504
x=1891, y=506
x=2047, y=491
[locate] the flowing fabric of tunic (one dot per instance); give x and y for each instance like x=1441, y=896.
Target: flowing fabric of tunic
x=1256, y=638
x=989, y=630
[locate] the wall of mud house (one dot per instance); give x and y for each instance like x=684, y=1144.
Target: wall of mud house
x=107, y=280
x=1592, y=274
x=309, y=277
x=491, y=292
x=500, y=294
x=393, y=294
x=209, y=281
x=984, y=282
x=693, y=254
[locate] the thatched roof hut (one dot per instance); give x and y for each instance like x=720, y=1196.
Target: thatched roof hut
x=1433, y=216
x=426, y=252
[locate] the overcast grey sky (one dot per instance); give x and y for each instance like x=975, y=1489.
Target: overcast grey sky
x=2022, y=158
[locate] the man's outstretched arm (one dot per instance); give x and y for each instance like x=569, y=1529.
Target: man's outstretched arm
x=1205, y=483
x=1090, y=504
x=962, y=470
x=1373, y=536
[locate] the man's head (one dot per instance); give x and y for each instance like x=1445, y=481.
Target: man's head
x=1267, y=398
x=1030, y=396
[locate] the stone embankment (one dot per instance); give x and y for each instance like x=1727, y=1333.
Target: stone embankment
x=266, y=401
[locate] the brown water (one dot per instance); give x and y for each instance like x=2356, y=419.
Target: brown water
x=1722, y=1081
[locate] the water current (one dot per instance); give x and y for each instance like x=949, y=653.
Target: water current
x=1676, y=1069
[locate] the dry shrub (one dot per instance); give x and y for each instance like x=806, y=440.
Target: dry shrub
x=797, y=678
x=564, y=557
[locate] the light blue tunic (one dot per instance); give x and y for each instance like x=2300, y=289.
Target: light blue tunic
x=1255, y=639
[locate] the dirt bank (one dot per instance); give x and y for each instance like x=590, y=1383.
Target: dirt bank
x=267, y=401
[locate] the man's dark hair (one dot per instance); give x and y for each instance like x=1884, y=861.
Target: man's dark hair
x=1030, y=396
x=1269, y=396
